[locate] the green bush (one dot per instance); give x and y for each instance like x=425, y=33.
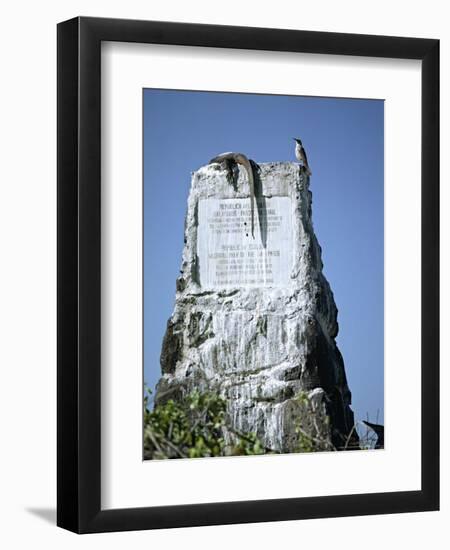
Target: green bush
x=312, y=426
x=193, y=428
x=196, y=426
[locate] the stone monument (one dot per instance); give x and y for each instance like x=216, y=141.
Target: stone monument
x=254, y=317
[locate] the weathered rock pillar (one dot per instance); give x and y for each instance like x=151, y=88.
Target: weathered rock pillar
x=255, y=318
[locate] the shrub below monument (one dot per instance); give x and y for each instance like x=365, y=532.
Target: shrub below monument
x=193, y=428
x=197, y=427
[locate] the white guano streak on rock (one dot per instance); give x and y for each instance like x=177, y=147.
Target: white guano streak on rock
x=258, y=344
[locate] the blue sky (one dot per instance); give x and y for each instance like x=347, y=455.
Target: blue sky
x=344, y=140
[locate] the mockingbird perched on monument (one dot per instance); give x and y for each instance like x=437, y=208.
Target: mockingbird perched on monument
x=300, y=155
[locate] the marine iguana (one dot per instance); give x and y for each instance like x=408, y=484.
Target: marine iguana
x=239, y=158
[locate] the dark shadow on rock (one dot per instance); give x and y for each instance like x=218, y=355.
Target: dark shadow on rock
x=260, y=204
x=46, y=514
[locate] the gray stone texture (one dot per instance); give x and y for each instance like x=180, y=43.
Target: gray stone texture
x=260, y=346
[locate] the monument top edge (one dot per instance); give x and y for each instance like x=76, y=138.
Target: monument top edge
x=214, y=166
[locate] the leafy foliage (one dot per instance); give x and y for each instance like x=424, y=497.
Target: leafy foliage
x=193, y=428
x=312, y=427
x=198, y=427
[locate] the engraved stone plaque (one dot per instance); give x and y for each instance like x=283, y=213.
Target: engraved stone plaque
x=230, y=256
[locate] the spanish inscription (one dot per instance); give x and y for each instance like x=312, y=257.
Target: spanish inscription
x=230, y=256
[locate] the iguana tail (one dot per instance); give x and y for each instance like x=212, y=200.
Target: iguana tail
x=241, y=159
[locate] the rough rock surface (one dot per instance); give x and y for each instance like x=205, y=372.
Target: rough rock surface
x=260, y=346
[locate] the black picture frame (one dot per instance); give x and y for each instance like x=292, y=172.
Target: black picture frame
x=79, y=276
